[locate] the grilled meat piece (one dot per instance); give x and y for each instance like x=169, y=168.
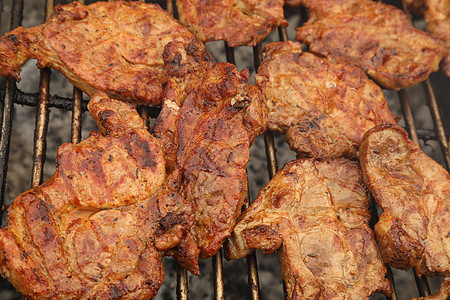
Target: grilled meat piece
x=99, y=227
x=238, y=22
x=317, y=212
x=437, y=16
x=114, y=47
x=205, y=129
x=414, y=193
x=323, y=108
x=358, y=33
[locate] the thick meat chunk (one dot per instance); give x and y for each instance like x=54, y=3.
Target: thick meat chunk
x=323, y=108
x=206, y=129
x=437, y=16
x=98, y=228
x=358, y=33
x=414, y=193
x=238, y=22
x=317, y=211
x=114, y=47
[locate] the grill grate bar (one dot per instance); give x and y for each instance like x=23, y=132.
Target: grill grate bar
x=6, y=125
x=253, y=277
x=7, y=107
x=77, y=111
x=252, y=265
x=437, y=119
x=408, y=116
x=77, y=114
x=40, y=142
x=422, y=284
x=217, y=263
x=182, y=283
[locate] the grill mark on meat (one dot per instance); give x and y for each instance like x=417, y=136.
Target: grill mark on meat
x=168, y=221
x=139, y=149
x=116, y=291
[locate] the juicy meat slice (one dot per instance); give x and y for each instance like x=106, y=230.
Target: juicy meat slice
x=114, y=47
x=238, y=22
x=99, y=227
x=205, y=129
x=323, y=108
x=414, y=192
x=437, y=16
x=317, y=212
x=359, y=33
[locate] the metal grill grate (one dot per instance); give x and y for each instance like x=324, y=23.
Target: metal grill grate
x=43, y=101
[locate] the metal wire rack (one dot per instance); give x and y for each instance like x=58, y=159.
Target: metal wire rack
x=43, y=101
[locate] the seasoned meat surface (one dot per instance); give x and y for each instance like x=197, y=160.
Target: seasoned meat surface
x=316, y=213
x=323, y=108
x=98, y=228
x=206, y=129
x=414, y=193
x=114, y=47
x=437, y=16
x=238, y=22
x=359, y=33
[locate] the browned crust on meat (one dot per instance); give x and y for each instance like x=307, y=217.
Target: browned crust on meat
x=414, y=192
x=99, y=227
x=323, y=108
x=238, y=22
x=316, y=213
x=206, y=129
x=113, y=47
x=357, y=33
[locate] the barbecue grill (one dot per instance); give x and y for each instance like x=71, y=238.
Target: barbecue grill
x=237, y=279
